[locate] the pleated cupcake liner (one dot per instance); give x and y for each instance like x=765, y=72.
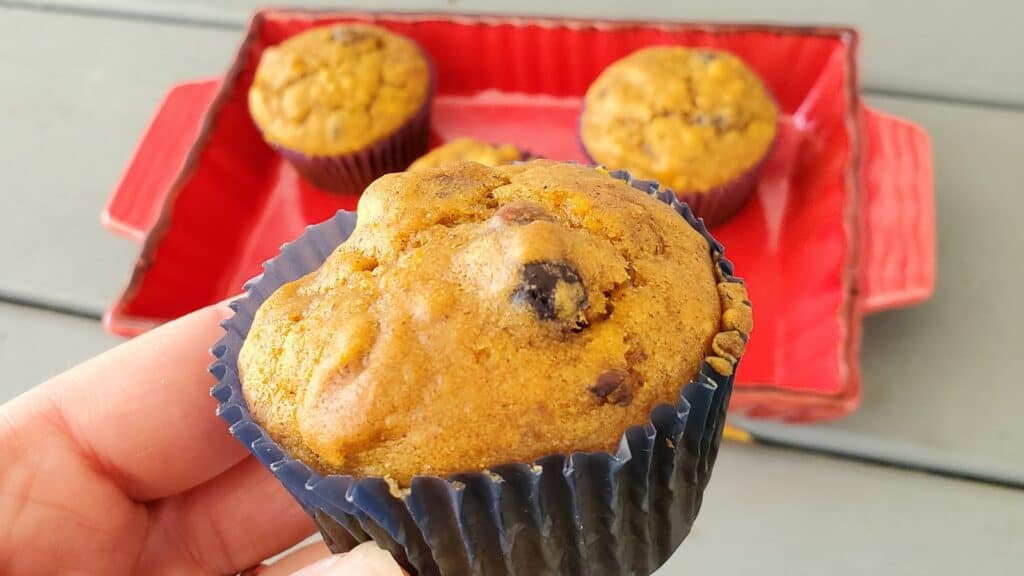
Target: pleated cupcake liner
x=565, y=514
x=718, y=205
x=352, y=172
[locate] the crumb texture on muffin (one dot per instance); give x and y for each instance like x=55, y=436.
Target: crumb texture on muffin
x=468, y=150
x=691, y=119
x=338, y=89
x=478, y=316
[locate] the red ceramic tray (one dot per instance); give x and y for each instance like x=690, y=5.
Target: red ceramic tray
x=842, y=222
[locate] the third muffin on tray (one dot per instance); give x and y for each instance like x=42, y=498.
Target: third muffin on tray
x=698, y=121
x=469, y=150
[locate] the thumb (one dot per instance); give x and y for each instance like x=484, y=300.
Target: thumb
x=364, y=560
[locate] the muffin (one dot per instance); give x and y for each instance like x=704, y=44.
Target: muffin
x=344, y=103
x=469, y=150
x=514, y=370
x=697, y=121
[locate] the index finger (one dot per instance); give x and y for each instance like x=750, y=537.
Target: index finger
x=142, y=411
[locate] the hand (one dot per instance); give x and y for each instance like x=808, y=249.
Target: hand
x=120, y=466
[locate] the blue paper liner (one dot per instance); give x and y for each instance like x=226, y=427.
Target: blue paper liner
x=582, y=513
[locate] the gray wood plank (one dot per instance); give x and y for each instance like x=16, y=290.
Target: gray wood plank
x=952, y=49
x=36, y=345
x=772, y=511
x=80, y=92
x=942, y=381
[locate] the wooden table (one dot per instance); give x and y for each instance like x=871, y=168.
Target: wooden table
x=926, y=478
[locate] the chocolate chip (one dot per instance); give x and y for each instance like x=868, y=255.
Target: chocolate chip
x=553, y=291
x=521, y=212
x=613, y=387
x=635, y=356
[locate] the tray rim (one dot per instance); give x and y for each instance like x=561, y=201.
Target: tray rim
x=801, y=405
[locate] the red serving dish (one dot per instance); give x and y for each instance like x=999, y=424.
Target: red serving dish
x=842, y=222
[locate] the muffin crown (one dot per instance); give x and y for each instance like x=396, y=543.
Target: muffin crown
x=478, y=316
x=468, y=150
x=692, y=119
x=338, y=89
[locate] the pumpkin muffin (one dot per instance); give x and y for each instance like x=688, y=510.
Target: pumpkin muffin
x=478, y=316
x=698, y=121
x=469, y=150
x=333, y=97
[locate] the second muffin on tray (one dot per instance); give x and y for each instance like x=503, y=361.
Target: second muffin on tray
x=698, y=121
x=344, y=103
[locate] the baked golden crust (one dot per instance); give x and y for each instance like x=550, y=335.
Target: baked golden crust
x=478, y=316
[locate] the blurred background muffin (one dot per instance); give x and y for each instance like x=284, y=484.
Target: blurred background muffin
x=469, y=150
x=698, y=121
x=344, y=103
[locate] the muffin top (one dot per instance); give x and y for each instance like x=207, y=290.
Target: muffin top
x=691, y=119
x=478, y=316
x=468, y=150
x=337, y=89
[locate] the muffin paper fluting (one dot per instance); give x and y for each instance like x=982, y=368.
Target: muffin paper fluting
x=717, y=205
x=582, y=513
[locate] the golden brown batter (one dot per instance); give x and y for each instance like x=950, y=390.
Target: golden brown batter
x=468, y=150
x=337, y=89
x=478, y=316
x=690, y=119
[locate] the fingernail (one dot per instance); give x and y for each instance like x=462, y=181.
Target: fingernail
x=367, y=559
x=222, y=307
x=321, y=567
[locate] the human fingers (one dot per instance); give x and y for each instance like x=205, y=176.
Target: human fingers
x=143, y=413
x=225, y=525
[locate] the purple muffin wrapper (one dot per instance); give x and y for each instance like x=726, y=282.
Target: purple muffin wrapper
x=351, y=173
x=574, y=514
x=717, y=205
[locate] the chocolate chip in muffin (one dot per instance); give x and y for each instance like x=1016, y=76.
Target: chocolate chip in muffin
x=613, y=387
x=521, y=212
x=554, y=291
